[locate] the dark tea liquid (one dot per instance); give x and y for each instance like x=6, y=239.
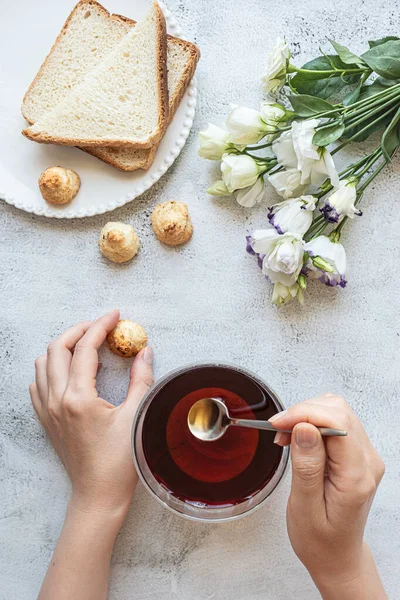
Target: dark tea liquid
x=220, y=473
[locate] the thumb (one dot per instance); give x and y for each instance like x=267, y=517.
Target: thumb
x=308, y=469
x=141, y=378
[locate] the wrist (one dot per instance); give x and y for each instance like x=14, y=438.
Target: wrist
x=359, y=581
x=107, y=517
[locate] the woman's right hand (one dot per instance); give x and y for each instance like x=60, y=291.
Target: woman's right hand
x=334, y=481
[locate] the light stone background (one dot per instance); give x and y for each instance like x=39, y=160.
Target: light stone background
x=205, y=301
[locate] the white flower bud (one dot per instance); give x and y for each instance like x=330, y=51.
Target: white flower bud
x=282, y=294
x=213, y=142
x=239, y=171
x=275, y=73
x=218, y=189
x=245, y=126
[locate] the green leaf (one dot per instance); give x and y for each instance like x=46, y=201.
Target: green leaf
x=309, y=106
x=348, y=57
x=321, y=84
x=373, y=43
x=328, y=133
x=387, y=82
x=390, y=139
x=353, y=95
x=385, y=59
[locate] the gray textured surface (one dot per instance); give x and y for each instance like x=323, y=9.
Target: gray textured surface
x=204, y=301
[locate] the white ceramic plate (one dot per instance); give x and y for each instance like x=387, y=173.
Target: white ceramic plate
x=27, y=31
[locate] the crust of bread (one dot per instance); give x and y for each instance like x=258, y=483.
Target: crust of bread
x=173, y=106
x=163, y=102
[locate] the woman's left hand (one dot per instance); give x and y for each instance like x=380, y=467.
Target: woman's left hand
x=91, y=436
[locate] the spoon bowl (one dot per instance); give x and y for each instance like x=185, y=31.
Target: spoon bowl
x=208, y=419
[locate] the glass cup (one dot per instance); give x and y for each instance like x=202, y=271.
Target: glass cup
x=178, y=383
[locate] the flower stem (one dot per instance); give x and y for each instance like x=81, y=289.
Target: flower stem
x=366, y=183
x=374, y=156
x=251, y=148
x=358, y=133
x=372, y=101
x=370, y=113
x=374, y=97
x=293, y=69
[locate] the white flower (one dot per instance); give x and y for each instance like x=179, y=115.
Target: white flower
x=306, y=152
x=324, y=168
x=218, y=189
x=284, y=150
x=252, y=195
x=273, y=112
x=275, y=73
x=295, y=150
x=315, y=164
x=282, y=255
x=245, y=125
x=282, y=294
x=239, y=171
x=327, y=261
x=293, y=215
x=213, y=142
x=288, y=183
x=341, y=202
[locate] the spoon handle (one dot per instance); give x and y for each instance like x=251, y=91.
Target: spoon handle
x=267, y=426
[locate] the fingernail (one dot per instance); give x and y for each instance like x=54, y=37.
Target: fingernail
x=278, y=437
x=306, y=437
x=148, y=355
x=278, y=416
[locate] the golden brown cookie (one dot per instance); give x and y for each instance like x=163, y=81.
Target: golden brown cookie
x=171, y=223
x=118, y=242
x=58, y=185
x=127, y=338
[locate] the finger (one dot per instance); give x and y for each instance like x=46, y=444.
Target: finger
x=308, y=471
x=41, y=378
x=85, y=359
x=359, y=434
x=141, y=379
x=35, y=398
x=282, y=439
x=346, y=454
x=317, y=414
x=60, y=356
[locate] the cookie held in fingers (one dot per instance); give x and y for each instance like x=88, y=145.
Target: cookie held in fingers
x=59, y=185
x=171, y=223
x=127, y=339
x=118, y=242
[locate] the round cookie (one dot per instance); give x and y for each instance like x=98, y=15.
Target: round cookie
x=58, y=185
x=171, y=223
x=118, y=242
x=127, y=338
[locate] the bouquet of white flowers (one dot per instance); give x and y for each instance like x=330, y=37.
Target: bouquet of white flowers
x=333, y=97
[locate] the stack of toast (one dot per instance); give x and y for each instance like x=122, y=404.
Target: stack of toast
x=110, y=86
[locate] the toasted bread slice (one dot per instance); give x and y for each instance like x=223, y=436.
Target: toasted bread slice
x=88, y=35
x=123, y=101
x=182, y=59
